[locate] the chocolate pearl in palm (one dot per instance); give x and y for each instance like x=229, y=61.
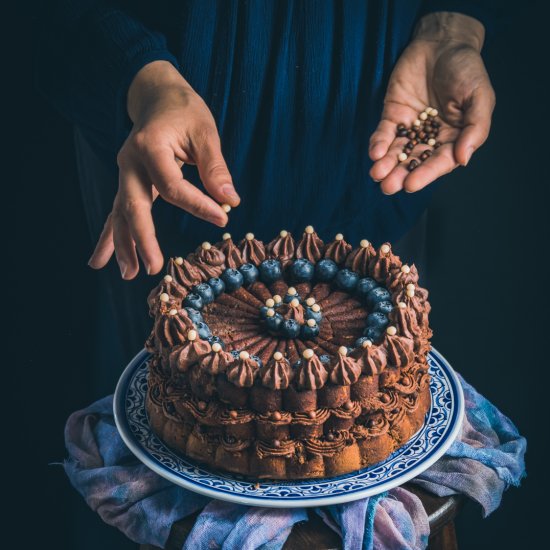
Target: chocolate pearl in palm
x=412, y=165
x=426, y=155
x=411, y=134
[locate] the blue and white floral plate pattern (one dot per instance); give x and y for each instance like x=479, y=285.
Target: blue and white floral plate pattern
x=440, y=428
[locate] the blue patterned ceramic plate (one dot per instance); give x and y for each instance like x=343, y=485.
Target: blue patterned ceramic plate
x=440, y=428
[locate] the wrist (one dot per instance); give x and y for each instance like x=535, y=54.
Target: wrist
x=148, y=81
x=450, y=28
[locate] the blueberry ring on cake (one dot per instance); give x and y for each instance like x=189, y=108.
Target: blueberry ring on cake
x=288, y=360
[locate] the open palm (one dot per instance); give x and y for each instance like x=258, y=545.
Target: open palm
x=452, y=78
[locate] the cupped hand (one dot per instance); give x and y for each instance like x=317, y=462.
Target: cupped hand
x=443, y=69
x=171, y=126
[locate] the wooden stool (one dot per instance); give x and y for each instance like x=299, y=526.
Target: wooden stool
x=316, y=534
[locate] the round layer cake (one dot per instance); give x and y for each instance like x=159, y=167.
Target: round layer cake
x=288, y=360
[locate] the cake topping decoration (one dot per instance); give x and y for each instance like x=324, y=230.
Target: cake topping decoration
x=283, y=233
x=384, y=263
x=344, y=370
x=359, y=258
x=168, y=278
x=179, y=260
x=342, y=350
x=398, y=280
x=311, y=373
x=191, y=352
x=171, y=327
x=276, y=415
x=216, y=347
x=316, y=308
x=191, y=335
x=226, y=236
x=270, y=312
x=339, y=237
x=307, y=353
x=244, y=354
x=385, y=249
x=270, y=302
x=164, y=297
x=338, y=250
x=311, y=322
x=209, y=260
x=184, y=272
x=364, y=243
x=249, y=236
x=226, y=208
x=405, y=268
x=277, y=373
x=391, y=330
x=402, y=305
x=294, y=302
x=206, y=245
x=310, y=246
x=291, y=291
x=173, y=311
x=400, y=350
x=372, y=359
x=277, y=299
x=310, y=301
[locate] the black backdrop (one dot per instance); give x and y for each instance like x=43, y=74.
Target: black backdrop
x=488, y=231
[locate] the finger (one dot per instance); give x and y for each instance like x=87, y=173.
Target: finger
x=213, y=170
x=381, y=139
x=168, y=178
x=136, y=202
x=125, y=248
x=381, y=168
x=477, y=120
x=441, y=162
x=393, y=182
x=105, y=247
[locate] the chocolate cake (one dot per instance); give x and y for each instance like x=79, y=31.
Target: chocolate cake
x=288, y=360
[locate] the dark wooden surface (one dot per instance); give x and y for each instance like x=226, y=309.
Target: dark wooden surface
x=316, y=534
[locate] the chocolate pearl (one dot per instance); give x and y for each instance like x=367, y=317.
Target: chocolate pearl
x=414, y=142
x=233, y=414
x=395, y=411
x=201, y=405
x=276, y=443
x=422, y=134
x=230, y=439
x=412, y=165
x=437, y=144
x=330, y=436
x=401, y=126
x=409, y=145
x=348, y=405
x=349, y=442
x=435, y=124
x=312, y=414
x=276, y=415
x=426, y=154
x=371, y=423
x=411, y=134
x=402, y=133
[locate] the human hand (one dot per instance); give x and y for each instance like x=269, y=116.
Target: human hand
x=171, y=126
x=441, y=68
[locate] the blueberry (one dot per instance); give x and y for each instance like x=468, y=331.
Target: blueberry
x=346, y=280
x=194, y=315
x=193, y=300
x=290, y=328
x=307, y=332
x=359, y=341
x=205, y=292
x=273, y=324
x=270, y=271
x=384, y=307
x=203, y=330
x=217, y=286
x=324, y=358
x=302, y=270
x=317, y=315
x=377, y=295
x=232, y=278
x=216, y=339
x=235, y=353
x=257, y=359
x=377, y=320
x=364, y=286
x=325, y=270
x=250, y=273
x=287, y=298
x=373, y=334
x=263, y=312
x=297, y=364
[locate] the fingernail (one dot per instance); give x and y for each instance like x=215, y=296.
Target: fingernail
x=469, y=153
x=229, y=192
x=123, y=269
x=376, y=181
x=90, y=261
x=148, y=269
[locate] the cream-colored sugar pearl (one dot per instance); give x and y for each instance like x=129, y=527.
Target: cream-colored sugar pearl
x=283, y=233
x=434, y=112
x=385, y=249
x=277, y=356
x=291, y=290
x=206, y=245
x=244, y=354
x=270, y=312
x=277, y=299
x=428, y=110
x=179, y=260
x=405, y=268
x=310, y=301
x=402, y=305
x=410, y=292
x=311, y=322
x=402, y=157
x=431, y=142
x=423, y=116
x=417, y=122
x=410, y=286
x=168, y=278
x=392, y=331
x=316, y=308
x=173, y=311
x=192, y=335
x=216, y=347
x=249, y=236
x=342, y=350
x=309, y=229
x=270, y=302
x=366, y=344
x=339, y=237
x=307, y=353
x=226, y=236
x=294, y=302
x=226, y=208
x=164, y=297
x=364, y=243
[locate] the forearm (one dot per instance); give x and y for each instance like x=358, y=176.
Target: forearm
x=452, y=28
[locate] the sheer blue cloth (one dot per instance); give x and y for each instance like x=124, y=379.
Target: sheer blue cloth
x=486, y=459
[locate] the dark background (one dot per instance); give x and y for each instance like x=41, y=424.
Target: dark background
x=488, y=282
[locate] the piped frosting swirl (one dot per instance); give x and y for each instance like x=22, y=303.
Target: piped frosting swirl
x=310, y=246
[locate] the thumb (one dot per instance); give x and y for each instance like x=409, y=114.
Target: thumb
x=213, y=170
x=477, y=123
